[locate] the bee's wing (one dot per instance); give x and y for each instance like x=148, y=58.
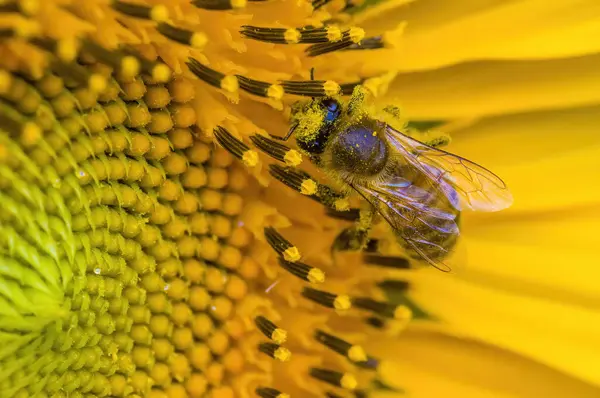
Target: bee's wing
x=466, y=184
x=405, y=208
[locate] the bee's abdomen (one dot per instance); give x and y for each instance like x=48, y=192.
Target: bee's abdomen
x=437, y=235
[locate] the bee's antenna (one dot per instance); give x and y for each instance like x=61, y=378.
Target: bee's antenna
x=287, y=136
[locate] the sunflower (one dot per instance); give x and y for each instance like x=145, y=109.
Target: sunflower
x=140, y=259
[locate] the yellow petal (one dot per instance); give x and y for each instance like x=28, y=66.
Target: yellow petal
x=532, y=29
x=493, y=87
x=431, y=364
x=565, y=337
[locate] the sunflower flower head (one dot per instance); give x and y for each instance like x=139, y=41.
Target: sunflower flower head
x=136, y=259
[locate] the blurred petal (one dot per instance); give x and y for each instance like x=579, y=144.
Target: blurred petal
x=491, y=88
x=431, y=364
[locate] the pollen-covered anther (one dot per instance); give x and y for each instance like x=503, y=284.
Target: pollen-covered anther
x=353, y=352
x=219, y=4
x=356, y=34
x=27, y=7
x=236, y=147
x=291, y=36
x=344, y=380
x=382, y=308
x=311, y=88
x=270, y=330
x=341, y=204
x=334, y=33
x=158, y=13
x=275, y=351
x=267, y=392
x=276, y=150
x=187, y=37
x=326, y=299
x=282, y=246
x=308, y=187
x=303, y=271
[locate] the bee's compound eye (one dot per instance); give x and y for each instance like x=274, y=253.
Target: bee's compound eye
x=330, y=104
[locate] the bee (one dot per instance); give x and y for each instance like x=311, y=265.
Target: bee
x=420, y=190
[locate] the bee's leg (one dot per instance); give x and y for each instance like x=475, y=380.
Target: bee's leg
x=357, y=100
x=356, y=237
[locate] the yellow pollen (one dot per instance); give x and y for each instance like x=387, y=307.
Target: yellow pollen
x=291, y=254
x=29, y=7
x=279, y=336
x=5, y=81
x=238, y=3
x=250, y=158
x=97, y=83
x=198, y=40
x=356, y=34
x=348, y=381
x=341, y=204
x=357, y=354
x=159, y=13
x=275, y=91
x=308, y=187
x=31, y=134
x=292, y=158
x=283, y=395
x=315, y=275
x=282, y=354
x=334, y=33
x=402, y=312
x=331, y=88
x=230, y=84
x=342, y=303
x=67, y=49
x=130, y=67
x=161, y=73
x=291, y=36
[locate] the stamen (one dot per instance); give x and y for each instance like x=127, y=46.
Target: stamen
x=262, y=89
x=395, y=285
x=269, y=329
x=329, y=300
x=28, y=8
x=382, y=308
x=343, y=380
x=94, y=81
x=236, y=147
x=370, y=43
x=212, y=77
x=275, y=351
x=281, y=245
x=158, y=13
x=387, y=261
x=126, y=65
x=351, y=37
x=276, y=150
x=303, y=271
x=304, y=35
x=160, y=72
x=319, y=3
x=187, y=37
x=303, y=183
x=353, y=352
x=266, y=392
x=219, y=4
x=311, y=88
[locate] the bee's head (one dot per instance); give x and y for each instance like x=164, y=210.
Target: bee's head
x=313, y=122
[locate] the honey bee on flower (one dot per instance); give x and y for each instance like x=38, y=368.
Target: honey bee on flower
x=416, y=187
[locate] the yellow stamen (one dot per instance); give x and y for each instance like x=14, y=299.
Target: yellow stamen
x=308, y=187
x=292, y=158
x=315, y=275
x=291, y=254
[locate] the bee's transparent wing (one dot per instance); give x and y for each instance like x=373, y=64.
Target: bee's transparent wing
x=405, y=207
x=466, y=184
